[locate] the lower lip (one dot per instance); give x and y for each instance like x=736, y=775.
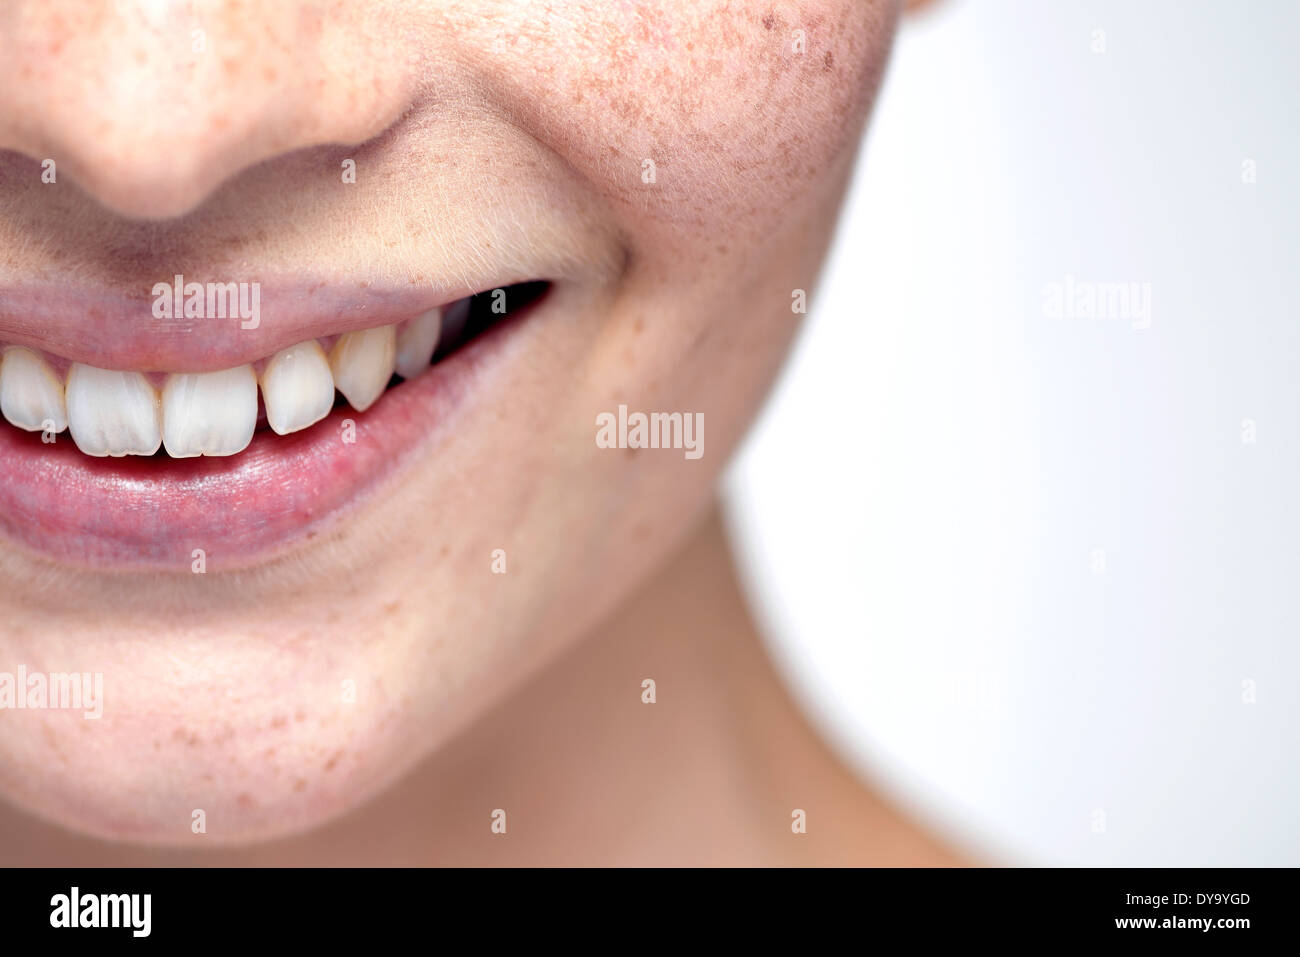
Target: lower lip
x=134, y=514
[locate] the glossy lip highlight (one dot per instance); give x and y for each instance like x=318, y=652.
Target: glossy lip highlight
x=152, y=513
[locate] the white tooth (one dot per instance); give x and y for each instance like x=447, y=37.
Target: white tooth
x=31, y=395
x=209, y=413
x=297, y=387
x=113, y=413
x=363, y=363
x=416, y=342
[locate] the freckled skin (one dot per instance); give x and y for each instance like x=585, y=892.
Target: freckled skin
x=226, y=692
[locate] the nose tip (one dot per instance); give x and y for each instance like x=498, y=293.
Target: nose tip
x=151, y=112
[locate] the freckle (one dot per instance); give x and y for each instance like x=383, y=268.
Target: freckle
x=279, y=721
x=446, y=550
x=270, y=752
x=157, y=745
x=300, y=784
x=270, y=74
x=334, y=759
x=638, y=327
x=245, y=801
x=392, y=608
x=300, y=716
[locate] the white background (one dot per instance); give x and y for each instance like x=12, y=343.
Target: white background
x=927, y=504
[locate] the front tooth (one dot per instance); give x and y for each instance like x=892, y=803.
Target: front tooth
x=209, y=413
x=363, y=363
x=416, y=343
x=31, y=395
x=113, y=413
x=297, y=387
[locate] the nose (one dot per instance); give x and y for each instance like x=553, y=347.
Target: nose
x=150, y=105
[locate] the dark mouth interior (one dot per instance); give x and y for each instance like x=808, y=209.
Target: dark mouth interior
x=467, y=319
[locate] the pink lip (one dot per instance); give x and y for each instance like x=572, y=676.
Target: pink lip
x=116, y=330
x=152, y=513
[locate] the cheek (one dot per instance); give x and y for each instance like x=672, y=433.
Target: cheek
x=719, y=135
x=705, y=114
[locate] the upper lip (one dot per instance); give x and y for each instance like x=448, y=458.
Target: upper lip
x=115, y=329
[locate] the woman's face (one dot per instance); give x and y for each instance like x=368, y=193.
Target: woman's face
x=283, y=631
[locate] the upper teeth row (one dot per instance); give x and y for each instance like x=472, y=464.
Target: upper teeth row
x=210, y=413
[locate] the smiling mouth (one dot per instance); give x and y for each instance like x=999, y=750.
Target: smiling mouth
x=113, y=414
x=129, y=470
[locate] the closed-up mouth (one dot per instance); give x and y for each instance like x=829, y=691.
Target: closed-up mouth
x=130, y=468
